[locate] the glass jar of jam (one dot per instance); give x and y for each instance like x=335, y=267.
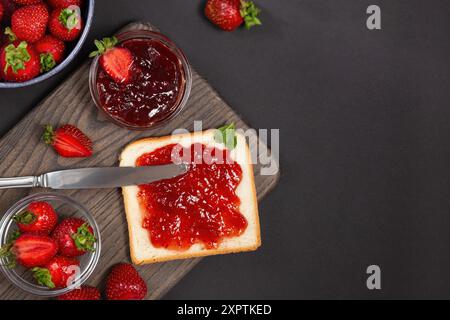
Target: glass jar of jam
x=159, y=87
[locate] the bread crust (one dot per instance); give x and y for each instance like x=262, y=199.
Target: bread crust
x=165, y=140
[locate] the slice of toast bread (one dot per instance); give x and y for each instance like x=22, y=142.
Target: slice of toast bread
x=141, y=249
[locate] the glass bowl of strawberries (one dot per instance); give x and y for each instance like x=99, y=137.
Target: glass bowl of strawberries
x=39, y=38
x=49, y=244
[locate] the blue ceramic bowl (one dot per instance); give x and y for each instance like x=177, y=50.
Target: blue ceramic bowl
x=73, y=49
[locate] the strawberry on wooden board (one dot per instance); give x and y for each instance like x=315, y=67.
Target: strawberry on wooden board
x=74, y=237
x=64, y=3
x=230, y=14
x=38, y=218
x=29, y=250
x=29, y=23
x=59, y=272
x=116, y=61
x=83, y=293
x=68, y=141
x=19, y=62
x=125, y=283
x=66, y=24
x=51, y=52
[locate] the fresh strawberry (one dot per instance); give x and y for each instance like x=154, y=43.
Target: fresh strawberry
x=29, y=250
x=66, y=24
x=74, y=237
x=38, y=218
x=29, y=23
x=27, y=2
x=51, y=52
x=116, y=61
x=19, y=62
x=68, y=141
x=83, y=293
x=125, y=283
x=230, y=14
x=64, y=3
x=57, y=273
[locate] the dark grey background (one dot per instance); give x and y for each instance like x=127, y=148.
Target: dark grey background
x=364, y=118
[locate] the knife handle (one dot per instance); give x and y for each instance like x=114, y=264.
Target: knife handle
x=22, y=182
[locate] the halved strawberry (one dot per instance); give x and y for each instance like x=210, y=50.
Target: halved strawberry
x=68, y=141
x=29, y=250
x=116, y=61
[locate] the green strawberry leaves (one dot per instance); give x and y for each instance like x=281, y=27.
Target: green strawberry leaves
x=43, y=277
x=103, y=45
x=84, y=239
x=227, y=136
x=25, y=217
x=69, y=18
x=7, y=253
x=16, y=57
x=249, y=13
x=47, y=62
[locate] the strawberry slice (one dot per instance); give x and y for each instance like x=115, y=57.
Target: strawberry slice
x=68, y=141
x=29, y=250
x=116, y=61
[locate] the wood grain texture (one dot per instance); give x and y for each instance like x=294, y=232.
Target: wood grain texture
x=22, y=153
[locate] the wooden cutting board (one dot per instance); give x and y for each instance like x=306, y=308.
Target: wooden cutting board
x=22, y=153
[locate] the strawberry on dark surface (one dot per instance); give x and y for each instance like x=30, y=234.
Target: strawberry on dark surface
x=19, y=62
x=230, y=14
x=38, y=218
x=83, y=293
x=68, y=141
x=116, y=61
x=51, y=52
x=74, y=237
x=29, y=250
x=59, y=272
x=66, y=24
x=125, y=283
x=64, y=3
x=29, y=23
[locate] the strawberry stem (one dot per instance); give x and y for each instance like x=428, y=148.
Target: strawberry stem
x=11, y=35
x=16, y=57
x=43, y=277
x=84, y=239
x=249, y=13
x=26, y=218
x=49, y=135
x=47, y=62
x=7, y=253
x=103, y=46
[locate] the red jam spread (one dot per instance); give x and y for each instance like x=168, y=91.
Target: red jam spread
x=200, y=206
x=154, y=91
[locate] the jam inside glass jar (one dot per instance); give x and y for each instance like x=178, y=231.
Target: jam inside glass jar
x=198, y=207
x=159, y=86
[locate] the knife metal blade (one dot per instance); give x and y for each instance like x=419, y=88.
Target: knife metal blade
x=96, y=178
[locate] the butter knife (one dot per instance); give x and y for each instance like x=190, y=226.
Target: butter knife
x=96, y=178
